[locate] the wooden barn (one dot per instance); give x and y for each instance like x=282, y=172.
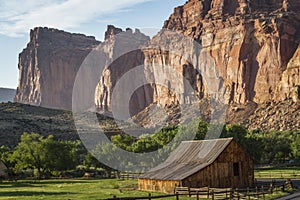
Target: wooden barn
x=220, y=163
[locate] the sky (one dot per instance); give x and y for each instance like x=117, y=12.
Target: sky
x=91, y=17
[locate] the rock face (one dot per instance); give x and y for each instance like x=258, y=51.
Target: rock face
x=289, y=86
x=122, y=52
x=48, y=66
x=283, y=115
x=253, y=44
x=145, y=62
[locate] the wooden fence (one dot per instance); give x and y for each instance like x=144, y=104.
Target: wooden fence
x=146, y=197
x=129, y=176
x=278, y=174
x=223, y=193
x=217, y=193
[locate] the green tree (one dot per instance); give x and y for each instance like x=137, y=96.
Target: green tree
x=295, y=147
x=45, y=154
x=30, y=153
x=61, y=155
x=254, y=145
x=5, y=157
x=238, y=132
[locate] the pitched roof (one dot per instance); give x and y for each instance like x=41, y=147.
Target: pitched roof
x=3, y=169
x=188, y=158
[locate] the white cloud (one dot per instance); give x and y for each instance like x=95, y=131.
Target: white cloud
x=18, y=16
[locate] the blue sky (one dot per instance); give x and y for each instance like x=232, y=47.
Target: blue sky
x=91, y=17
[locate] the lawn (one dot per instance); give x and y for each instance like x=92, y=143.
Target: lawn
x=73, y=189
x=68, y=189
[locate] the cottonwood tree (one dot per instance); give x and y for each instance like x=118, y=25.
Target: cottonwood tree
x=44, y=154
x=30, y=153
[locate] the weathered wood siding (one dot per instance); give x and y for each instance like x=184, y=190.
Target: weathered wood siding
x=220, y=174
x=166, y=186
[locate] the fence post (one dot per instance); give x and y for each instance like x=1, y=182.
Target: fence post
x=197, y=194
x=271, y=188
x=115, y=197
x=212, y=195
x=248, y=193
x=149, y=196
x=256, y=191
x=263, y=192
x=177, y=196
x=208, y=193
x=283, y=188
x=189, y=191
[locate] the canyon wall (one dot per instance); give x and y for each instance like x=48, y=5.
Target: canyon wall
x=251, y=42
x=121, y=51
x=48, y=67
x=254, y=46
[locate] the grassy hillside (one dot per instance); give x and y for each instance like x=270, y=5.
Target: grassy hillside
x=15, y=119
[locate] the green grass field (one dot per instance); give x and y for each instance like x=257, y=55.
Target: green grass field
x=68, y=189
x=74, y=189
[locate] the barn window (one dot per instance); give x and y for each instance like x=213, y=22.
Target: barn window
x=236, y=171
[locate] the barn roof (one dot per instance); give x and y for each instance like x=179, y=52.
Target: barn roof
x=188, y=158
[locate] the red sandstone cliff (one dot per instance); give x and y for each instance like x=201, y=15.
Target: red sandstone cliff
x=254, y=45
x=48, y=66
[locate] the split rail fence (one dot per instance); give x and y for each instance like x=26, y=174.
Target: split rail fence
x=216, y=193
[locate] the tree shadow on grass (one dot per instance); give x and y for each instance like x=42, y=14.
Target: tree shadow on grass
x=29, y=193
x=55, y=182
x=40, y=183
x=16, y=184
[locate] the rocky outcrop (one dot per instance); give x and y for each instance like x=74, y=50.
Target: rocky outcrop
x=251, y=43
x=289, y=86
x=283, y=115
x=48, y=66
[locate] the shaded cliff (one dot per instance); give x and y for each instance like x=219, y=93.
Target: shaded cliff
x=48, y=66
x=122, y=52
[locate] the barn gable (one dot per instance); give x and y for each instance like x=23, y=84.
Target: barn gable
x=3, y=169
x=213, y=163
